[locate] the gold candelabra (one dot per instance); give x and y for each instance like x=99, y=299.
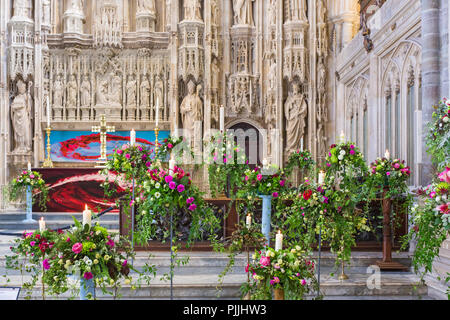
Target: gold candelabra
x=158, y=161
x=48, y=163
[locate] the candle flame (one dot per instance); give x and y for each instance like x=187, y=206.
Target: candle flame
x=279, y=231
x=85, y=207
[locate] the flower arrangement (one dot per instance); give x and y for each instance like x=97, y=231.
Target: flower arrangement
x=287, y=269
x=430, y=218
x=226, y=164
x=170, y=192
x=345, y=158
x=301, y=159
x=130, y=160
x=171, y=145
x=33, y=180
x=256, y=182
x=88, y=253
x=438, y=137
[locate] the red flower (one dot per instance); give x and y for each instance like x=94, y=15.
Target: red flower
x=307, y=194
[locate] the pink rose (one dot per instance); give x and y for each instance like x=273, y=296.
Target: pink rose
x=259, y=177
x=170, y=146
x=264, y=261
x=445, y=175
x=88, y=275
x=119, y=151
x=77, y=248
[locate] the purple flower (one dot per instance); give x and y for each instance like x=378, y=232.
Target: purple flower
x=148, y=164
x=180, y=188
x=32, y=243
x=275, y=194
x=88, y=275
x=119, y=151
x=32, y=176
x=144, y=156
x=172, y=185
x=303, y=282
x=352, y=152
x=124, y=263
x=46, y=264
x=388, y=173
x=259, y=177
x=127, y=156
x=168, y=179
x=190, y=200
x=140, y=148
x=352, y=147
x=325, y=199
x=282, y=183
x=328, y=164
x=110, y=243
x=192, y=207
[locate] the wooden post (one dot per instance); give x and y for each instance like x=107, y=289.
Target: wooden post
x=387, y=263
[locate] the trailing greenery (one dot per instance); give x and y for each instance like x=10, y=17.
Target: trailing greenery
x=32, y=179
x=438, y=137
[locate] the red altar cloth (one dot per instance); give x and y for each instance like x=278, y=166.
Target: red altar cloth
x=71, y=188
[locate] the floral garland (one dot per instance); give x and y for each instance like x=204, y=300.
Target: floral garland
x=438, y=138
x=287, y=269
x=257, y=182
x=301, y=159
x=33, y=180
x=226, y=164
x=172, y=146
x=431, y=222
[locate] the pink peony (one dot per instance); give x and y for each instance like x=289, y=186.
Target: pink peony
x=168, y=179
x=259, y=177
x=77, y=248
x=127, y=156
x=119, y=151
x=352, y=152
x=192, y=207
x=444, y=208
x=172, y=185
x=444, y=176
x=46, y=264
x=397, y=166
x=264, y=261
x=88, y=275
x=275, y=194
x=180, y=188
x=32, y=243
x=190, y=200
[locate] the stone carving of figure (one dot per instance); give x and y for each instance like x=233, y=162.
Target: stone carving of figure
x=145, y=93
x=272, y=12
x=168, y=12
x=85, y=89
x=272, y=74
x=214, y=12
x=76, y=5
x=22, y=8
x=58, y=92
x=192, y=10
x=191, y=108
x=159, y=92
x=116, y=89
x=243, y=13
x=298, y=10
x=102, y=91
x=215, y=75
x=147, y=6
x=131, y=91
x=72, y=89
x=21, y=118
x=46, y=12
x=295, y=110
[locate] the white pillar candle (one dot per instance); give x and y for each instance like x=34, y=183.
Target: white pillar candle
x=42, y=224
x=133, y=137
x=387, y=155
x=157, y=112
x=171, y=166
x=248, y=220
x=342, y=137
x=48, y=112
x=87, y=216
x=29, y=166
x=279, y=241
x=301, y=145
x=321, y=177
x=222, y=119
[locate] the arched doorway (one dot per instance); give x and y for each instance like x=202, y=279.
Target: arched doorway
x=250, y=137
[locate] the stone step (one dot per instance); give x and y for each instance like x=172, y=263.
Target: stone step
x=49, y=216
x=14, y=226
x=393, y=286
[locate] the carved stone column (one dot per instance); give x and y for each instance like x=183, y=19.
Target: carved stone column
x=74, y=17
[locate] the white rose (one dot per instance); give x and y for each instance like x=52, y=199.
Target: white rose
x=341, y=158
x=157, y=185
x=438, y=199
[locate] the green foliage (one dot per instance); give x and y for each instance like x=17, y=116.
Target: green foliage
x=33, y=180
x=438, y=137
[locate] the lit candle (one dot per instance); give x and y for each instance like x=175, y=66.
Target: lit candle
x=171, y=166
x=342, y=136
x=248, y=221
x=222, y=119
x=279, y=241
x=87, y=215
x=387, y=155
x=301, y=145
x=29, y=166
x=157, y=112
x=321, y=177
x=133, y=137
x=42, y=224
x=48, y=112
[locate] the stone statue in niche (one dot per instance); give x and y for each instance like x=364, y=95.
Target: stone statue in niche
x=116, y=89
x=145, y=92
x=192, y=10
x=215, y=75
x=272, y=12
x=159, y=94
x=21, y=118
x=295, y=111
x=22, y=8
x=146, y=6
x=46, y=12
x=272, y=74
x=102, y=92
x=298, y=10
x=191, y=108
x=58, y=93
x=214, y=13
x=85, y=88
x=72, y=90
x=131, y=91
x=243, y=12
x=77, y=5
x=168, y=12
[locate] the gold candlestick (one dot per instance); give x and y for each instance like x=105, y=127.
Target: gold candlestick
x=343, y=276
x=158, y=161
x=48, y=163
